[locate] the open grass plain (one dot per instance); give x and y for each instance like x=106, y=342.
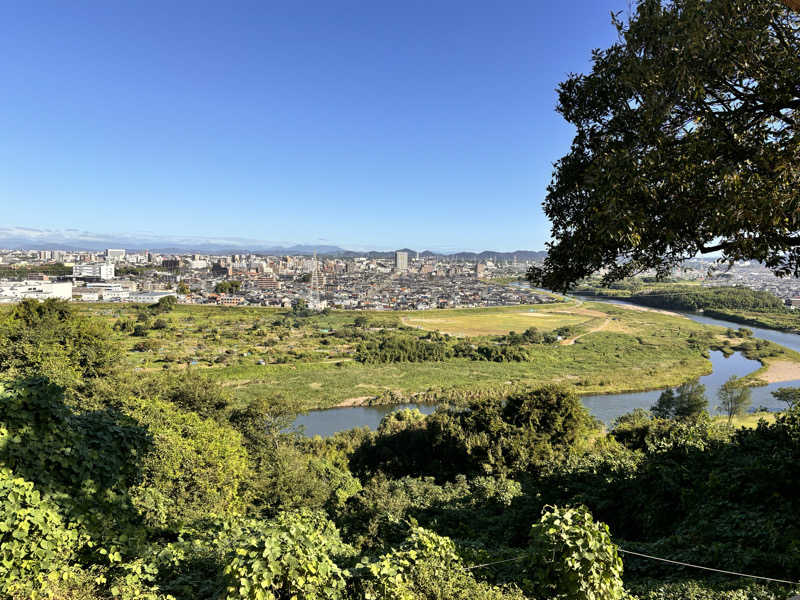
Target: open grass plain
x=471, y=322
x=310, y=359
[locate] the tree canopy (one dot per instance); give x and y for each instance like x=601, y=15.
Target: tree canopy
x=734, y=397
x=687, y=142
x=688, y=401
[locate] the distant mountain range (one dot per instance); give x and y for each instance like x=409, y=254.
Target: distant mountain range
x=521, y=255
x=21, y=238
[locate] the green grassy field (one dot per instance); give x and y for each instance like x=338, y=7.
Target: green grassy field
x=311, y=359
x=497, y=321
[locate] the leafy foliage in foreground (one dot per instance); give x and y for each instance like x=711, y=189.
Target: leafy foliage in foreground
x=425, y=566
x=47, y=339
x=572, y=556
x=292, y=556
x=160, y=487
x=35, y=543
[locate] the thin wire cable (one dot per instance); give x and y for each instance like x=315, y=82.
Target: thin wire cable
x=683, y=564
x=497, y=562
x=666, y=560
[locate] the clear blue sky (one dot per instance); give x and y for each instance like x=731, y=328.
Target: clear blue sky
x=425, y=124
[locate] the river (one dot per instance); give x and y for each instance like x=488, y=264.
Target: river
x=605, y=407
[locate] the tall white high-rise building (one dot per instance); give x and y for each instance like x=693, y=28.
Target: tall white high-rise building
x=401, y=261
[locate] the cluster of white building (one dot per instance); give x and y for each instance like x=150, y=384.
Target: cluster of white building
x=14, y=291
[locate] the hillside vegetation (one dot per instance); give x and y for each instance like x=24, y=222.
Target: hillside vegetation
x=163, y=485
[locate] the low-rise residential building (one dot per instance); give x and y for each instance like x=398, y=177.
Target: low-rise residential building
x=149, y=297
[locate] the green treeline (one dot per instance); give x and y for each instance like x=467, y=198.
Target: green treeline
x=163, y=485
x=388, y=347
x=690, y=298
x=737, y=304
x=53, y=270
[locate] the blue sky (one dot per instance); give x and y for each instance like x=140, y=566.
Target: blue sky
x=425, y=124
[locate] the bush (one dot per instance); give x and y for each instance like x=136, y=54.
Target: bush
x=290, y=557
x=192, y=392
x=426, y=566
x=571, y=557
x=48, y=339
x=84, y=462
x=164, y=304
x=198, y=468
x=702, y=590
x=389, y=348
x=146, y=346
x=498, y=436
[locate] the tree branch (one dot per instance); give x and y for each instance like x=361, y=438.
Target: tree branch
x=790, y=241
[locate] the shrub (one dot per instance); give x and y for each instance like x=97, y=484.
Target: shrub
x=197, y=467
x=48, y=339
x=290, y=557
x=146, y=346
x=498, y=436
x=82, y=461
x=426, y=566
x=571, y=557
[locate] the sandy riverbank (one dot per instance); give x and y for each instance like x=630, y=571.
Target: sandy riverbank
x=647, y=309
x=781, y=370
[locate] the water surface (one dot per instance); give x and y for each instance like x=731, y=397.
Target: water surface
x=328, y=421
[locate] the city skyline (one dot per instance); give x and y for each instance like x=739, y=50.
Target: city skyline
x=369, y=126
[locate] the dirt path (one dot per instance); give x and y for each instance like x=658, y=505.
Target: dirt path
x=570, y=341
x=360, y=400
x=585, y=312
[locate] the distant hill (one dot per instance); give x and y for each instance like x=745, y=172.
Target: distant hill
x=19, y=238
x=522, y=255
